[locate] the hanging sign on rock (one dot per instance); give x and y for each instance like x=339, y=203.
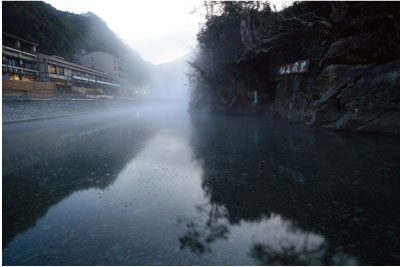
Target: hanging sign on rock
x=300, y=66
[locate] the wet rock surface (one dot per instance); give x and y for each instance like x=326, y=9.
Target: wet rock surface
x=352, y=82
x=358, y=49
x=366, y=99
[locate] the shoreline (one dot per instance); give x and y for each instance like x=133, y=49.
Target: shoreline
x=29, y=109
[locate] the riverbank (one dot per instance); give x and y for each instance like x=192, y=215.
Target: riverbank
x=29, y=108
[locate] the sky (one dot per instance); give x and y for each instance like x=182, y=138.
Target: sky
x=161, y=31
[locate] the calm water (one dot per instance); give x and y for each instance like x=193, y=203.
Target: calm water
x=158, y=187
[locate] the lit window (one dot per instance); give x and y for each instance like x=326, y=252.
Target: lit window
x=52, y=69
x=14, y=77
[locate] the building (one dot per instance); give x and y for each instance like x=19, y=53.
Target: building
x=64, y=73
x=104, y=62
x=104, y=74
x=20, y=58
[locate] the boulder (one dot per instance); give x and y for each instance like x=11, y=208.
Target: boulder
x=328, y=78
x=359, y=49
x=374, y=101
x=326, y=110
x=382, y=81
x=366, y=98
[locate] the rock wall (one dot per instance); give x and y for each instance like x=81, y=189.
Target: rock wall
x=353, y=78
x=354, y=91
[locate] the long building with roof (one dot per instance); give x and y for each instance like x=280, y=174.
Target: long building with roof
x=62, y=72
x=23, y=62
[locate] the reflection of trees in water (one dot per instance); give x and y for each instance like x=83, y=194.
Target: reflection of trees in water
x=278, y=242
x=328, y=184
x=43, y=166
x=267, y=255
x=290, y=245
x=199, y=236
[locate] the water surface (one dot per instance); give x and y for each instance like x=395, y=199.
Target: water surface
x=159, y=187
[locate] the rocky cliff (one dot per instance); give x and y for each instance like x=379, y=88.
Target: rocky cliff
x=352, y=80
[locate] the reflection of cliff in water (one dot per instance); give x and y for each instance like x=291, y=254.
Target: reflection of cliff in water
x=48, y=161
x=342, y=188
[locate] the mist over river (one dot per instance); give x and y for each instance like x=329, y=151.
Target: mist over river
x=153, y=185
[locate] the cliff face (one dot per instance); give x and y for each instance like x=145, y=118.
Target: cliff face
x=353, y=76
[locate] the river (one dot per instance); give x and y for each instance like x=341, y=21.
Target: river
x=157, y=186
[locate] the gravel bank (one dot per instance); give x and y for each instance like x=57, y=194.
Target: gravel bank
x=29, y=109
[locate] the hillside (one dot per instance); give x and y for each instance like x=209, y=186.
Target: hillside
x=169, y=80
x=62, y=33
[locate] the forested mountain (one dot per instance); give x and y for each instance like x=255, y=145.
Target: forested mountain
x=62, y=33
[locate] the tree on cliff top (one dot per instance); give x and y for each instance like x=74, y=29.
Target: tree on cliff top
x=240, y=39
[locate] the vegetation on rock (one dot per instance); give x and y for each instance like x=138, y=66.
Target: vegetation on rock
x=243, y=44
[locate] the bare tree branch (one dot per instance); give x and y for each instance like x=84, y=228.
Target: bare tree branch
x=310, y=24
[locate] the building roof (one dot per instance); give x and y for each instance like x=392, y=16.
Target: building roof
x=18, y=38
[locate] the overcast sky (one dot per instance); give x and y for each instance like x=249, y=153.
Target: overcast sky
x=160, y=31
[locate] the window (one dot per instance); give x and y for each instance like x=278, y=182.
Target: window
x=52, y=69
x=30, y=65
x=14, y=77
x=60, y=71
x=76, y=73
x=13, y=62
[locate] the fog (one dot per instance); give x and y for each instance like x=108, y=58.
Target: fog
x=169, y=83
x=150, y=184
x=131, y=176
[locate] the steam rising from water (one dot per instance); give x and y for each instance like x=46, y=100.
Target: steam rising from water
x=169, y=83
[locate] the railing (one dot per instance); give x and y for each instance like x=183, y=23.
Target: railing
x=30, y=66
x=11, y=63
x=24, y=65
x=94, y=81
x=29, y=50
x=120, y=66
x=11, y=45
